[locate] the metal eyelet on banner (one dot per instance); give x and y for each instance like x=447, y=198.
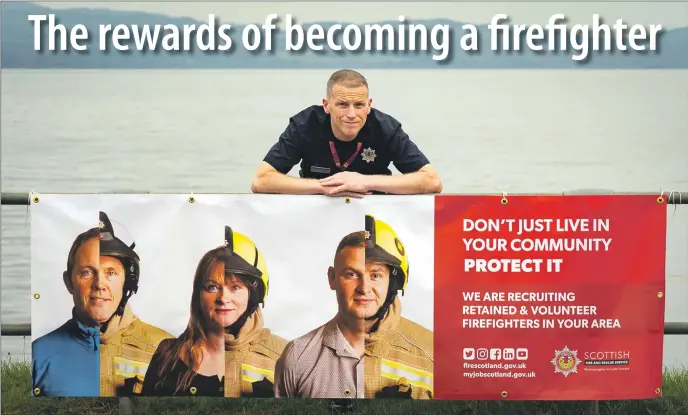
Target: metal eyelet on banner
x=347, y=200
x=660, y=294
x=504, y=394
x=37, y=391
x=193, y=390
x=33, y=196
x=660, y=198
x=192, y=199
x=504, y=201
x=36, y=296
x=658, y=391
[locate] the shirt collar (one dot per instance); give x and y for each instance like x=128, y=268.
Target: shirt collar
x=335, y=340
x=329, y=135
x=88, y=337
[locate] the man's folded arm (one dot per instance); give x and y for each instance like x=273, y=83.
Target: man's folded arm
x=425, y=180
x=271, y=175
x=418, y=175
x=267, y=179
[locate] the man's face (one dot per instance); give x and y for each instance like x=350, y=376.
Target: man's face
x=348, y=109
x=96, y=283
x=361, y=288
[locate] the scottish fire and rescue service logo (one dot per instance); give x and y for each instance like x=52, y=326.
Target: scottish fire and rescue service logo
x=400, y=246
x=368, y=155
x=565, y=361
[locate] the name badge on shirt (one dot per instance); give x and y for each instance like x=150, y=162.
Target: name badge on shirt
x=316, y=169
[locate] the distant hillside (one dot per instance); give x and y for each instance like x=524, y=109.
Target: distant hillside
x=17, y=48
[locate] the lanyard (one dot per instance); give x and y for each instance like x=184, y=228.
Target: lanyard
x=335, y=156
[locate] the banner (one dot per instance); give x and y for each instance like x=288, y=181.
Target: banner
x=549, y=298
x=315, y=297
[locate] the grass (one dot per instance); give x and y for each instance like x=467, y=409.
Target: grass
x=17, y=399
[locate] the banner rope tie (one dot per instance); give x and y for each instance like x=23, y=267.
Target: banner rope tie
x=671, y=196
x=192, y=198
x=33, y=197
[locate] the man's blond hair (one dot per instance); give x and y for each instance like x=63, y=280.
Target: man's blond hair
x=346, y=77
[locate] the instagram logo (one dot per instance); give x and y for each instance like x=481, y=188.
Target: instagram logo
x=482, y=354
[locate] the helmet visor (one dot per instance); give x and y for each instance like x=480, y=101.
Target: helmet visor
x=235, y=264
x=112, y=244
x=241, y=255
x=377, y=254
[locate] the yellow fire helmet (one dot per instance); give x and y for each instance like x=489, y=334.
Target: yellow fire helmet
x=244, y=258
x=384, y=246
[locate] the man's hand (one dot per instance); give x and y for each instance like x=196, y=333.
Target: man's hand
x=346, y=184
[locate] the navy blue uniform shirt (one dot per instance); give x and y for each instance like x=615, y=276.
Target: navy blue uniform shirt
x=306, y=139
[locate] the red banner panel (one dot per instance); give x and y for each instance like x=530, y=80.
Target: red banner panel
x=549, y=298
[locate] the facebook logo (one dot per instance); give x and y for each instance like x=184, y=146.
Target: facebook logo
x=495, y=354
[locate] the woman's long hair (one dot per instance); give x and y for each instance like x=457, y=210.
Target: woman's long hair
x=188, y=348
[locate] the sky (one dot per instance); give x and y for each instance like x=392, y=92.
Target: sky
x=668, y=14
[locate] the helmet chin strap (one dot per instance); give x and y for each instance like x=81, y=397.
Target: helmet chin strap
x=123, y=303
x=252, y=307
x=237, y=325
x=394, y=287
x=129, y=289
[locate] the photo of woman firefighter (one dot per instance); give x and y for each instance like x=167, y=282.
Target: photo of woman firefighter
x=225, y=349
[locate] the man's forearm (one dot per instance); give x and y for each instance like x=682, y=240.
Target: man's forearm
x=419, y=182
x=276, y=182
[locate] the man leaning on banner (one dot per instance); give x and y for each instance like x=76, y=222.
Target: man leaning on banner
x=104, y=349
x=398, y=352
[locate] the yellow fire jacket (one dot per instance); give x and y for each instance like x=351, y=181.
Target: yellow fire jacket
x=126, y=350
x=250, y=359
x=399, y=358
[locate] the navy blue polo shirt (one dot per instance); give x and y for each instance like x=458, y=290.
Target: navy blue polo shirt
x=307, y=140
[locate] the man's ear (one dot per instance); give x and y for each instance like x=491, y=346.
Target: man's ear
x=67, y=279
x=330, y=277
x=370, y=104
x=324, y=103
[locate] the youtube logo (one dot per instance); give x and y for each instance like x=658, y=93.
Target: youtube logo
x=522, y=354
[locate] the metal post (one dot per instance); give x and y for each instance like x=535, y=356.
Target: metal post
x=16, y=329
x=126, y=406
x=676, y=327
x=672, y=198
x=593, y=408
x=17, y=199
